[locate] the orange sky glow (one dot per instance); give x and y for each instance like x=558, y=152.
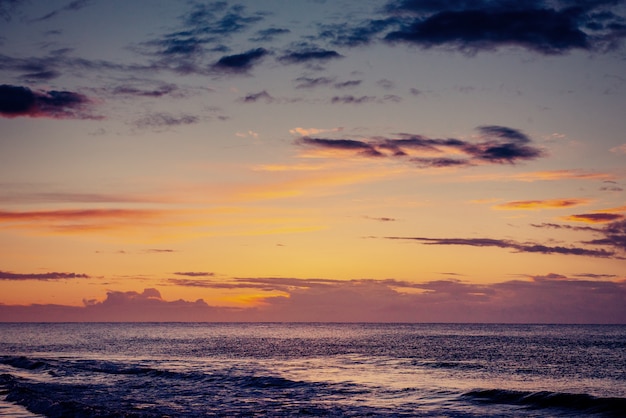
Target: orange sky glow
x=245, y=161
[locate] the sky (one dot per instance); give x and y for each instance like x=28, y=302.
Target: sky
x=311, y=160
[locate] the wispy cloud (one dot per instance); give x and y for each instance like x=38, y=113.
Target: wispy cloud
x=380, y=218
x=71, y=7
x=614, y=236
x=312, y=131
x=165, y=120
x=562, y=226
x=547, y=175
x=75, y=214
x=599, y=216
x=347, y=84
x=204, y=29
x=499, y=145
x=620, y=149
x=194, y=273
x=18, y=101
x=309, y=82
x=6, y=275
x=268, y=35
x=542, y=204
x=351, y=99
x=522, y=247
x=79, y=221
x=159, y=90
x=594, y=218
x=7, y=7
x=306, y=55
x=255, y=97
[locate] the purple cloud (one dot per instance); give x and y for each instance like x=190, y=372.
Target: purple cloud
x=16, y=101
x=239, y=63
x=550, y=298
x=306, y=55
x=5, y=275
x=514, y=245
x=194, y=273
x=614, y=236
x=499, y=145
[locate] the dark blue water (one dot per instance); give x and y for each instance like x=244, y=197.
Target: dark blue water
x=193, y=370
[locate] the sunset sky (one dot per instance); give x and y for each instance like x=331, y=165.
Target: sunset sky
x=311, y=160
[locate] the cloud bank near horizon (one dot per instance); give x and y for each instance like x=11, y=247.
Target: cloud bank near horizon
x=551, y=298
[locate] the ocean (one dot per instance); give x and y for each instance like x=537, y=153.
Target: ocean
x=327, y=370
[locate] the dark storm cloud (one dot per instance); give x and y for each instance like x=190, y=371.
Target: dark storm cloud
x=21, y=101
x=514, y=245
x=499, y=145
x=239, y=63
x=471, y=26
x=308, y=55
x=5, y=275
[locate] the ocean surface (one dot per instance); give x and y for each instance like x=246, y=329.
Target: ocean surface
x=334, y=370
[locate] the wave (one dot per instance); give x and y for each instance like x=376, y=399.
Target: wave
x=22, y=362
x=580, y=403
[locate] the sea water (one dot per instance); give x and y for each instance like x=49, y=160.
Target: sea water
x=334, y=370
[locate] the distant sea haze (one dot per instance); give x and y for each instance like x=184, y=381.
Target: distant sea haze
x=314, y=369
